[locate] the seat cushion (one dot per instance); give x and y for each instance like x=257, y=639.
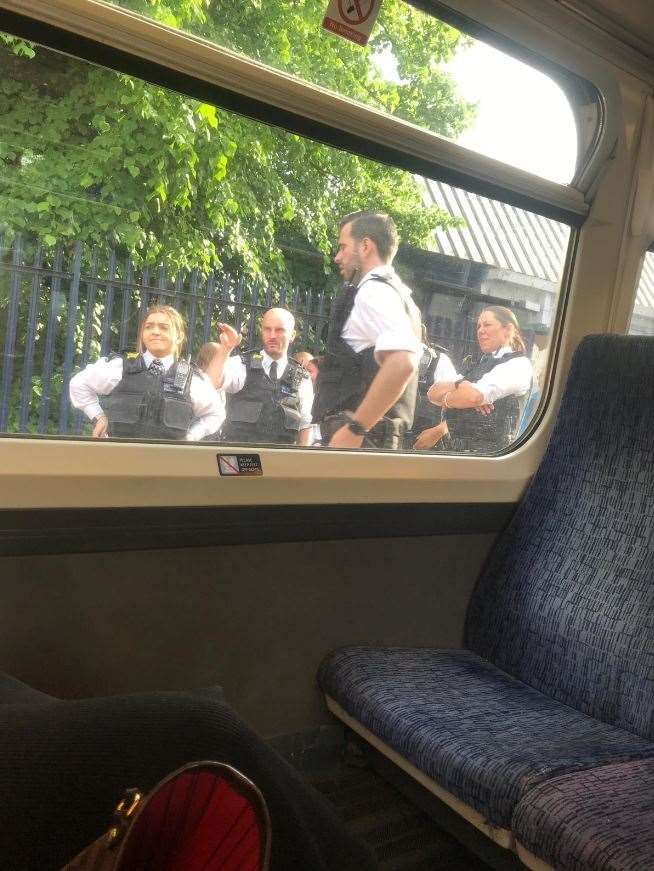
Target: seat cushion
x=596, y=820
x=483, y=735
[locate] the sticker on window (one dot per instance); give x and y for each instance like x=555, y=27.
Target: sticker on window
x=239, y=464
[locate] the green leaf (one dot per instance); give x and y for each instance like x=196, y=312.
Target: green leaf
x=208, y=112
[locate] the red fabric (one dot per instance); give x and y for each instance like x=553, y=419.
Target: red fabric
x=197, y=821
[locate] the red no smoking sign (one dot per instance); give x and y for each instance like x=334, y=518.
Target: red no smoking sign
x=351, y=19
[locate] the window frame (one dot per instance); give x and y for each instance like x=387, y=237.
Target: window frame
x=108, y=35
x=65, y=472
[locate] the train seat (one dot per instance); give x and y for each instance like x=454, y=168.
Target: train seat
x=602, y=818
x=556, y=676
x=479, y=733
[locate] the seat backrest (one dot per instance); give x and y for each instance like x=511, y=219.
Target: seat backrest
x=566, y=602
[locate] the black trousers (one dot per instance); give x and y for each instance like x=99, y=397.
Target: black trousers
x=64, y=765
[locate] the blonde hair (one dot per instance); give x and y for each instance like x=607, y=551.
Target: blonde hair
x=506, y=317
x=176, y=321
x=303, y=358
x=206, y=354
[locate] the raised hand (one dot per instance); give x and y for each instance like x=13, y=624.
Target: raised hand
x=229, y=338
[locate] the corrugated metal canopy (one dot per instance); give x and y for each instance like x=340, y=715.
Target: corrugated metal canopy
x=506, y=237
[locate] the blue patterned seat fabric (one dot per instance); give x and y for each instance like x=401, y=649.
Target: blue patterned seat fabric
x=559, y=671
x=597, y=820
x=478, y=732
x=566, y=603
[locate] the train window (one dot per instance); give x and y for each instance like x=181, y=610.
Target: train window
x=642, y=316
x=415, y=66
x=131, y=196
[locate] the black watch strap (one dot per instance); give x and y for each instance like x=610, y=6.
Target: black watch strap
x=357, y=428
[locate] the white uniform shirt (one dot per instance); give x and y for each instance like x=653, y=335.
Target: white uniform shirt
x=512, y=378
x=235, y=372
x=378, y=318
x=99, y=379
x=445, y=370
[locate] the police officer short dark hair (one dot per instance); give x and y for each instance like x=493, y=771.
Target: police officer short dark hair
x=376, y=226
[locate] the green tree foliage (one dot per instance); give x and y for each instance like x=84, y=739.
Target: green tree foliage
x=90, y=154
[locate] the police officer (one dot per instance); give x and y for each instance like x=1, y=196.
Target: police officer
x=435, y=366
x=269, y=396
x=367, y=382
x=151, y=393
x=483, y=405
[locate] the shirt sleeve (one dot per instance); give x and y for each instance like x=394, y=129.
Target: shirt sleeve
x=97, y=379
x=208, y=408
x=234, y=375
x=381, y=309
x=445, y=370
x=512, y=378
x=305, y=394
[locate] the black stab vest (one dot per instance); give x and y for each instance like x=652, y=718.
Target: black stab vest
x=427, y=414
x=262, y=411
x=145, y=405
x=345, y=375
x=472, y=431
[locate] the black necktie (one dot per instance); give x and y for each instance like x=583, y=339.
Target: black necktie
x=272, y=372
x=156, y=367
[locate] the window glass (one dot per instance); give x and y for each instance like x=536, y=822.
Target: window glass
x=642, y=316
x=414, y=66
x=117, y=195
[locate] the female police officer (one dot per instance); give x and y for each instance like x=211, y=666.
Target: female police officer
x=482, y=406
x=151, y=393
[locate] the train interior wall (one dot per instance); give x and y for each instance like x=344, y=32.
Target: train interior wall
x=255, y=619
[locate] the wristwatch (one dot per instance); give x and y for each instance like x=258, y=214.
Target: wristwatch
x=95, y=419
x=357, y=428
x=459, y=381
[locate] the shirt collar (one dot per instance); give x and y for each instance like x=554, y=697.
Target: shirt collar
x=384, y=269
x=267, y=360
x=505, y=349
x=166, y=362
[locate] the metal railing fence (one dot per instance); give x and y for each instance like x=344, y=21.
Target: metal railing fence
x=63, y=307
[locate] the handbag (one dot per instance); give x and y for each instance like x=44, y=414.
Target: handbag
x=205, y=816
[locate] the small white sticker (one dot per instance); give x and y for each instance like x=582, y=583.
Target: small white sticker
x=351, y=19
x=239, y=464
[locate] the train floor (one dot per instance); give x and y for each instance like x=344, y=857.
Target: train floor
x=403, y=836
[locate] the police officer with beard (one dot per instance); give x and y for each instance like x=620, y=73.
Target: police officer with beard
x=367, y=382
x=269, y=396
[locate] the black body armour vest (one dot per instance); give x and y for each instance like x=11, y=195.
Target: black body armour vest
x=145, y=405
x=263, y=410
x=472, y=431
x=345, y=376
x=427, y=414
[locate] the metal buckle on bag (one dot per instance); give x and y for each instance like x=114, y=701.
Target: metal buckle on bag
x=123, y=814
